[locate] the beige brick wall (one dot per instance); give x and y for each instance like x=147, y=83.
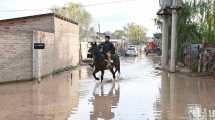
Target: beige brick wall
x=67, y=43
x=15, y=55
x=43, y=59
x=44, y=23
x=18, y=58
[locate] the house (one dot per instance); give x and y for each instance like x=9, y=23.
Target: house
x=23, y=57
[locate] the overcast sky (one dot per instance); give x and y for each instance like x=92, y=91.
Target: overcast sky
x=110, y=16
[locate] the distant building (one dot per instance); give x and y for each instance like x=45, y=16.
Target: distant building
x=120, y=44
x=19, y=36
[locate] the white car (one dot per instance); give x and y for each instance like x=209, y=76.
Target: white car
x=132, y=51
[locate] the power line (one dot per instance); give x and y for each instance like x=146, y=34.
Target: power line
x=25, y=10
x=106, y=3
x=89, y=5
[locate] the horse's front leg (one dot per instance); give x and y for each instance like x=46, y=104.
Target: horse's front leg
x=102, y=75
x=94, y=74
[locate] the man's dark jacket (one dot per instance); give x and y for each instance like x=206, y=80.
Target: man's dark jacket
x=107, y=46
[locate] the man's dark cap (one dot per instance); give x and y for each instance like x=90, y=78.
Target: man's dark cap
x=107, y=36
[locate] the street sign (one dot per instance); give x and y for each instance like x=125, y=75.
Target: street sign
x=39, y=45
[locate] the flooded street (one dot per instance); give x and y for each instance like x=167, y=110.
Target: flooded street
x=141, y=93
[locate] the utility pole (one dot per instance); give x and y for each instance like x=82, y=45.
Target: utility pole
x=164, y=13
x=169, y=7
x=164, y=58
x=99, y=31
x=174, y=37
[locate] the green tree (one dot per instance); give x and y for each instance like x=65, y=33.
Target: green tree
x=136, y=33
x=77, y=13
x=119, y=34
x=196, y=23
x=206, y=11
x=188, y=31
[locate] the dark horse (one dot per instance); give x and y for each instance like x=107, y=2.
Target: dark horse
x=101, y=63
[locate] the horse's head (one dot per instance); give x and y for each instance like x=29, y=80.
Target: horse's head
x=92, y=50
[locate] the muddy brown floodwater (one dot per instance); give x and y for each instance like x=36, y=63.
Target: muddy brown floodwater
x=141, y=93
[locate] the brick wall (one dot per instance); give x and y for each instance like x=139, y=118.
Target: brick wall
x=43, y=59
x=42, y=23
x=18, y=58
x=15, y=55
x=61, y=50
x=67, y=43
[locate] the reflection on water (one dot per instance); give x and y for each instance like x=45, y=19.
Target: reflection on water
x=127, y=60
x=103, y=103
x=84, y=73
x=51, y=99
x=142, y=93
x=186, y=98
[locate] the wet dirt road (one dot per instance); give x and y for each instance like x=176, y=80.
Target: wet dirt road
x=141, y=93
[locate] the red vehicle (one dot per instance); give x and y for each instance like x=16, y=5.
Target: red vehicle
x=152, y=47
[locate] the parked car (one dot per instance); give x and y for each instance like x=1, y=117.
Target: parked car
x=151, y=47
x=132, y=51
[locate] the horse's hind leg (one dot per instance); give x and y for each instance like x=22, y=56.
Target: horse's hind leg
x=117, y=69
x=117, y=66
x=102, y=75
x=113, y=73
x=94, y=74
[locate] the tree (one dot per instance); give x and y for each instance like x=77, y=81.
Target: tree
x=196, y=23
x=119, y=34
x=77, y=13
x=136, y=33
x=206, y=10
x=200, y=14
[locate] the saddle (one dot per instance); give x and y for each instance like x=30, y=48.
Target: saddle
x=109, y=59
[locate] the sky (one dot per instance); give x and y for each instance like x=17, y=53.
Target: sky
x=112, y=15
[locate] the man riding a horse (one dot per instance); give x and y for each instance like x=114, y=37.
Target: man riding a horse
x=103, y=58
x=108, y=49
